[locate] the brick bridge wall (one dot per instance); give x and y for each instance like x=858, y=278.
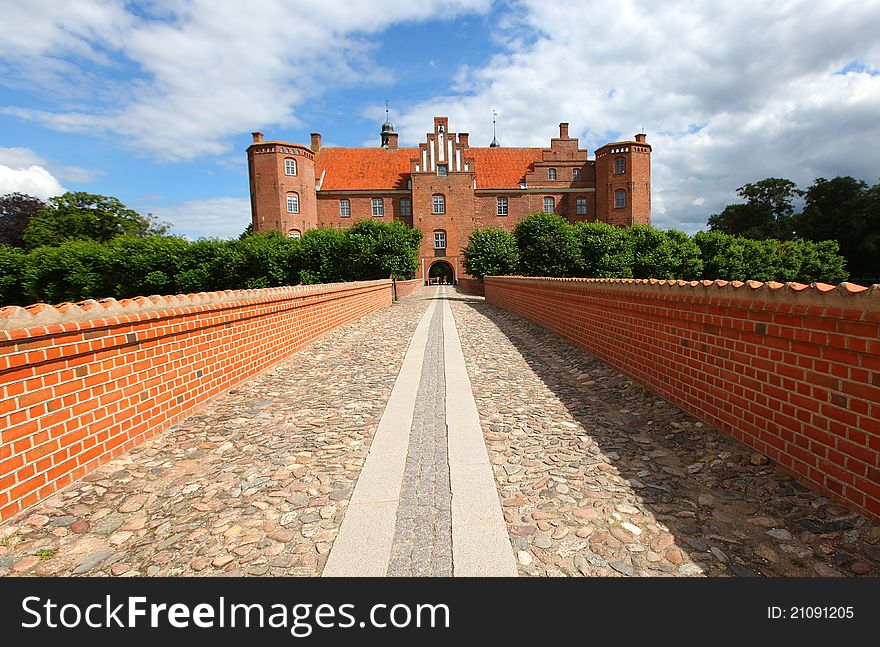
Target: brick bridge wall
x=790, y=370
x=406, y=288
x=80, y=384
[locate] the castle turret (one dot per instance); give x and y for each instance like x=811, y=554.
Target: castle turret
x=282, y=179
x=623, y=182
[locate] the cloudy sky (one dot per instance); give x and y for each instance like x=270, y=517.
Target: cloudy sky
x=154, y=101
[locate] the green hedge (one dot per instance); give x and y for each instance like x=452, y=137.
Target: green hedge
x=548, y=245
x=128, y=266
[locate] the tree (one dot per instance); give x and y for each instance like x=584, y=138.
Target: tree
x=767, y=212
x=322, y=256
x=490, y=252
x=687, y=261
x=722, y=255
x=653, y=253
x=84, y=216
x=16, y=212
x=848, y=211
x=377, y=250
x=547, y=246
x=605, y=250
x=248, y=231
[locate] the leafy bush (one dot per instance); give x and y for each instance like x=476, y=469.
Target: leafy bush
x=75, y=270
x=12, y=262
x=490, y=252
x=547, y=246
x=722, y=255
x=653, y=253
x=687, y=263
x=377, y=250
x=605, y=250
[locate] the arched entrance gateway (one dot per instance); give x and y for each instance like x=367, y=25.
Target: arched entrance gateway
x=441, y=272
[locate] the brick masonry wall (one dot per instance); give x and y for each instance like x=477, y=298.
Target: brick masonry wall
x=790, y=370
x=471, y=286
x=406, y=288
x=81, y=384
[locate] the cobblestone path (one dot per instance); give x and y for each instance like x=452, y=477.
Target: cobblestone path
x=522, y=454
x=599, y=477
x=423, y=536
x=256, y=484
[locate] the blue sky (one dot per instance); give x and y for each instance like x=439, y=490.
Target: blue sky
x=154, y=102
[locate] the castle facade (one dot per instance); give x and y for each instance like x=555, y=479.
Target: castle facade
x=445, y=187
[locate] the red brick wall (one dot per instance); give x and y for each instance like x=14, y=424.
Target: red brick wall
x=406, y=288
x=790, y=370
x=471, y=286
x=76, y=391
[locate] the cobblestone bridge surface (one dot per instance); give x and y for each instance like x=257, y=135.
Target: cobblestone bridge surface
x=580, y=470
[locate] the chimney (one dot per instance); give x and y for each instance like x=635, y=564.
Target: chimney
x=316, y=142
x=641, y=137
x=463, y=140
x=392, y=141
x=258, y=137
x=563, y=130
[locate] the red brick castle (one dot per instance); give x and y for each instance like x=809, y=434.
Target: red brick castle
x=445, y=187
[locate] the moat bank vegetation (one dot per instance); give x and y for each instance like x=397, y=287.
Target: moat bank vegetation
x=547, y=245
x=111, y=252
x=84, y=246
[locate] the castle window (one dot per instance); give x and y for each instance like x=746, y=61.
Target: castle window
x=378, y=207
x=576, y=174
x=405, y=207
x=549, y=205
x=439, y=203
x=442, y=169
x=619, y=199
x=289, y=167
x=581, y=206
x=501, y=207
x=620, y=165
x=294, y=233
x=293, y=203
x=551, y=174
x=344, y=209
x=440, y=239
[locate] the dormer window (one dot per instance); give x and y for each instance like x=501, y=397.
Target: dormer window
x=551, y=174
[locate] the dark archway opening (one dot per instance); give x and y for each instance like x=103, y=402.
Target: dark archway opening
x=441, y=273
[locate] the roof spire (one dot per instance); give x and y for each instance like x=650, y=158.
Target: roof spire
x=494, y=143
x=387, y=128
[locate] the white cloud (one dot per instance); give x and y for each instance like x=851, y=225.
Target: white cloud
x=208, y=68
x=212, y=218
x=32, y=180
x=24, y=160
x=728, y=92
x=23, y=171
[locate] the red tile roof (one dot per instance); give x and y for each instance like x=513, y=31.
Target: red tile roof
x=352, y=169
x=502, y=168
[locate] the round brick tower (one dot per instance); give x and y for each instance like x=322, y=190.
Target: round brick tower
x=282, y=179
x=623, y=182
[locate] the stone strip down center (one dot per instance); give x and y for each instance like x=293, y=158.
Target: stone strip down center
x=426, y=502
